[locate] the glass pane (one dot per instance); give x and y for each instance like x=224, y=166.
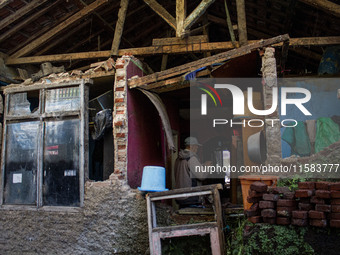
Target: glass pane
x=21, y=163
x=61, y=163
x=23, y=104
x=63, y=99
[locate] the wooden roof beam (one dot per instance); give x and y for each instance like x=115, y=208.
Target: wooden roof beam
x=119, y=26
x=168, y=49
x=241, y=22
x=324, y=5
x=189, y=67
x=21, y=12
x=197, y=13
x=160, y=10
x=56, y=30
x=26, y=21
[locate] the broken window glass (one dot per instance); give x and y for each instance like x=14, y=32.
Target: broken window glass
x=63, y=99
x=61, y=163
x=21, y=163
x=23, y=104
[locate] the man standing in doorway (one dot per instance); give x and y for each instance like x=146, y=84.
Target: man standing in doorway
x=185, y=170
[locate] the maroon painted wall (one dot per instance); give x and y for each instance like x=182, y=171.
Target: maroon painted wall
x=144, y=133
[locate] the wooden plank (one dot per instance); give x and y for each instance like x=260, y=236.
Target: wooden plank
x=26, y=21
x=159, y=9
x=205, y=61
x=170, y=49
x=215, y=242
x=219, y=220
x=172, y=87
x=180, y=41
x=184, y=195
x=186, y=226
x=184, y=232
x=163, y=83
x=164, y=62
x=181, y=12
x=186, y=190
x=56, y=30
x=197, y=13
x=149, y=215
x=241, y=22
x=326, y=6
x=195, y=211
x=119, y=26
x=21, y=12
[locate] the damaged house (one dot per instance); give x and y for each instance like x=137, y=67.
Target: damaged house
x=95, y=90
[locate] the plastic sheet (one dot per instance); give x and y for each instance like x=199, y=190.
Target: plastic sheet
x=297, y=138
x=102, y=121
x=327, y=133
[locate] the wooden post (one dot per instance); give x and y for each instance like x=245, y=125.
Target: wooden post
x=119, y=27
x=230, y=25
x=241, y=22
x=181, y=12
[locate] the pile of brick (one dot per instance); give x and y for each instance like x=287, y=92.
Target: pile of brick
x=314, y=203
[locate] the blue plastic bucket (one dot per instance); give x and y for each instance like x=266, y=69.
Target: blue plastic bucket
x=153, y=179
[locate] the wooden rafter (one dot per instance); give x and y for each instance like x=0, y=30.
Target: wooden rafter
x=160, y=10
x=26, y=21
x=324, y=5
x=21, y=12
x=168, y=49
x=189, y=67
x=181, y=12
x=54, y=31
x=241, y=22
x=119, y=26
x=197, y=13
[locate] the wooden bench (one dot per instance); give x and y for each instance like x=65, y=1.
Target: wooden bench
x=214, y=229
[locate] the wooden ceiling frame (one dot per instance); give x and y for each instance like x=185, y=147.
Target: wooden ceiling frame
x=324, y=5
x=182, y=23
x=62, y=26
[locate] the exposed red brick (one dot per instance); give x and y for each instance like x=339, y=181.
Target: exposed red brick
x=289, y=195
x=335, y=186
x=120, y=78
x=121, y=135
x=322, y=185
x=304, y=193
x=335, y=201
x=255, y=219
x=266, y=204
x=122, y=158
x=253, y=193
x=284, y=211
x=316, y=215
x=120, y=112
x=282, y=221
x=118, y=123
x=336, y=208
x=278, y=190
x=300, y=222
x=121, y=147
x=306, y=185
x=323, y=194
x=268, y=213
x=323, y=208
x=121, y=177
x=300, y=214
x=269, y=220
x=286, y=202
x=270, y=197
x=334, y=223
x=335, y=194
x=253, y=199
x=119, y=66
x=318, y=223
x=251, y=213
x=117, y=171
x=120, y=89
x=305, y=207
x=316, y=200
x=259, y=186
x=119, y=100
x=335, y=216
x=305, y=200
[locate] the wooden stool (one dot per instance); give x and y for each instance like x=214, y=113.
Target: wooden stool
x=214, y=229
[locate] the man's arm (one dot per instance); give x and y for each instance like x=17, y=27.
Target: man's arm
x=196, y=169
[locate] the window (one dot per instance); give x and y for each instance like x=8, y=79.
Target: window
x=45, y=133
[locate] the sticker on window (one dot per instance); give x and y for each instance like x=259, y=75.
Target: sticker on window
x=17, y=178
x=70, y=172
